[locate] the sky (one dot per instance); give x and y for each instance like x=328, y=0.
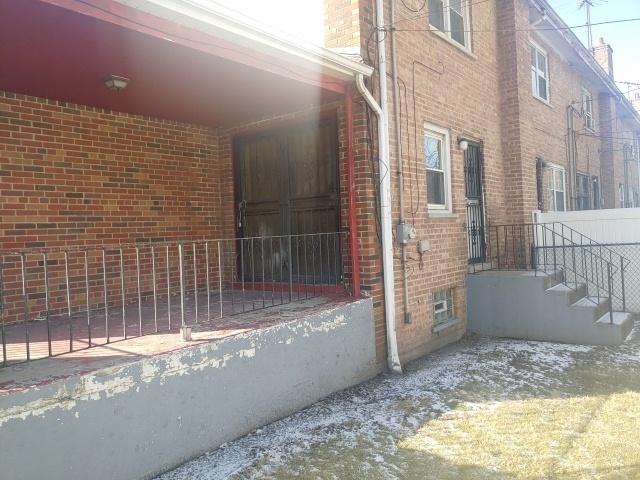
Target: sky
x=624, y=38
x=303, y=19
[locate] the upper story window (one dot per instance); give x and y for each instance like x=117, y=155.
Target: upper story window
x=437, y=159
x=451, y=17
x=539, y=73
x=587, y=109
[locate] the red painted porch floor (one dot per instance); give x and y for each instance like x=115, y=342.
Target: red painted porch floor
x=241, y=313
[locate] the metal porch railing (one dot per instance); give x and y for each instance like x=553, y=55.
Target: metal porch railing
x=57, y=301
x=558, y=250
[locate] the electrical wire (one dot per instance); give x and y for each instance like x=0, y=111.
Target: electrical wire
x=422, y=15
x=622, y=20
x=414, y=10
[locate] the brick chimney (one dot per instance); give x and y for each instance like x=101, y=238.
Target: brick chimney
x=342, y=24
x=604, y=56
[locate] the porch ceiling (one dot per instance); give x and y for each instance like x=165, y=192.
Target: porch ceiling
x=50, y=51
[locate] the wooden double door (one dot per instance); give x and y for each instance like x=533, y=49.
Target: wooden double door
x=286, y=183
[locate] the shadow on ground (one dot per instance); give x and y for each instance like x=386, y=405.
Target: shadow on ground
x=484, y=408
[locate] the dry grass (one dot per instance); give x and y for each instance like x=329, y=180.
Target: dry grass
x=583, y=437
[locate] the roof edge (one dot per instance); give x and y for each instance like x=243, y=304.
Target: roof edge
x=583, y=53
x=210, y=16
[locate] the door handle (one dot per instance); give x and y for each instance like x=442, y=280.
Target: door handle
x=241, y=216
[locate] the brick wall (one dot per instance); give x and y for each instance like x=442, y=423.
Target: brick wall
x=341, y=23
x=542, y=128
x=73, y=174
x=446, y=85
x=482, y=94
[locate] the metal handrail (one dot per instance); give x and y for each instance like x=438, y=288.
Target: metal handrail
x=550, y=247
x=612, y=253
x=596, y=269
x=93, y=294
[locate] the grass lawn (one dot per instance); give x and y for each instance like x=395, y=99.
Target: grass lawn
x=482, y=409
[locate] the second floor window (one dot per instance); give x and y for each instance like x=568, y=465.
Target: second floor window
x=451, y=17
x=587, y=109
x=539, y=73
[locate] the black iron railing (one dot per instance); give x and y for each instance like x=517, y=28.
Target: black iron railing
x=57, y=301
x=560, y=251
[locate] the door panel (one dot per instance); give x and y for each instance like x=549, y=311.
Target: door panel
x=287, y=183
x=475, y=203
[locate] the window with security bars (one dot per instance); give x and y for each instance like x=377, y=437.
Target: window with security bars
x=583, y=201
x=442, y=306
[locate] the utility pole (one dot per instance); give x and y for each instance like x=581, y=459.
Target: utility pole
x=587, y=4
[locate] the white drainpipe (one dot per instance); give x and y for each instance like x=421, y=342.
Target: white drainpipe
x=382, y=113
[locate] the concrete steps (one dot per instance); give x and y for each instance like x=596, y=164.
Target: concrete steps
x=535, y=306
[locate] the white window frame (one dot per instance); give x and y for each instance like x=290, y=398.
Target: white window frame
x=441, y=134
x=444, y=305
x=446, y=20
x=587, y=109
x=555, y=169
x=536, y=72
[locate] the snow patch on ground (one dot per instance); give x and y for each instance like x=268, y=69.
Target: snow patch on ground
x=377, y=413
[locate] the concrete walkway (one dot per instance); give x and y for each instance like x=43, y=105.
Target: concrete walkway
x=484, y=408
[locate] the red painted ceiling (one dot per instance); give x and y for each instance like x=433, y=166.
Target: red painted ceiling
x=56, y=53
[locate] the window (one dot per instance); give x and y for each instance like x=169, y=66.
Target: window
x=442, y=306
x=451, y=17
x=584, y=192
x=436, y=156
x=554, y=182
x=587, y=109
x=539, y=73
x=621, y=194
x=596, y=192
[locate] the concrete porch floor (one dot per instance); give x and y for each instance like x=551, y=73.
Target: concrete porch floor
x=242, y=312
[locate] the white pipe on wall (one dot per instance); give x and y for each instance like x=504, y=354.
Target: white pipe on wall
x=381, y=111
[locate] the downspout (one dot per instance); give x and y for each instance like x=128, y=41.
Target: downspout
x=571, y=160
x=353, y=224
x=396, y=119
x=393, y=359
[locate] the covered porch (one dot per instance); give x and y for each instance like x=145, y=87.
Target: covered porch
x=218, y=184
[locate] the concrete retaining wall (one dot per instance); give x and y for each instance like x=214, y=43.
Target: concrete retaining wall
x=517, y=305
x=140, y=419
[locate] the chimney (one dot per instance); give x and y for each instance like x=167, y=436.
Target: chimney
x=342, y=25
x=604, y=56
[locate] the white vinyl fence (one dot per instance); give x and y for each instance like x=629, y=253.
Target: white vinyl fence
x=618, y=229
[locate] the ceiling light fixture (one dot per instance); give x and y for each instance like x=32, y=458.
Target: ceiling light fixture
x=116, y=82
